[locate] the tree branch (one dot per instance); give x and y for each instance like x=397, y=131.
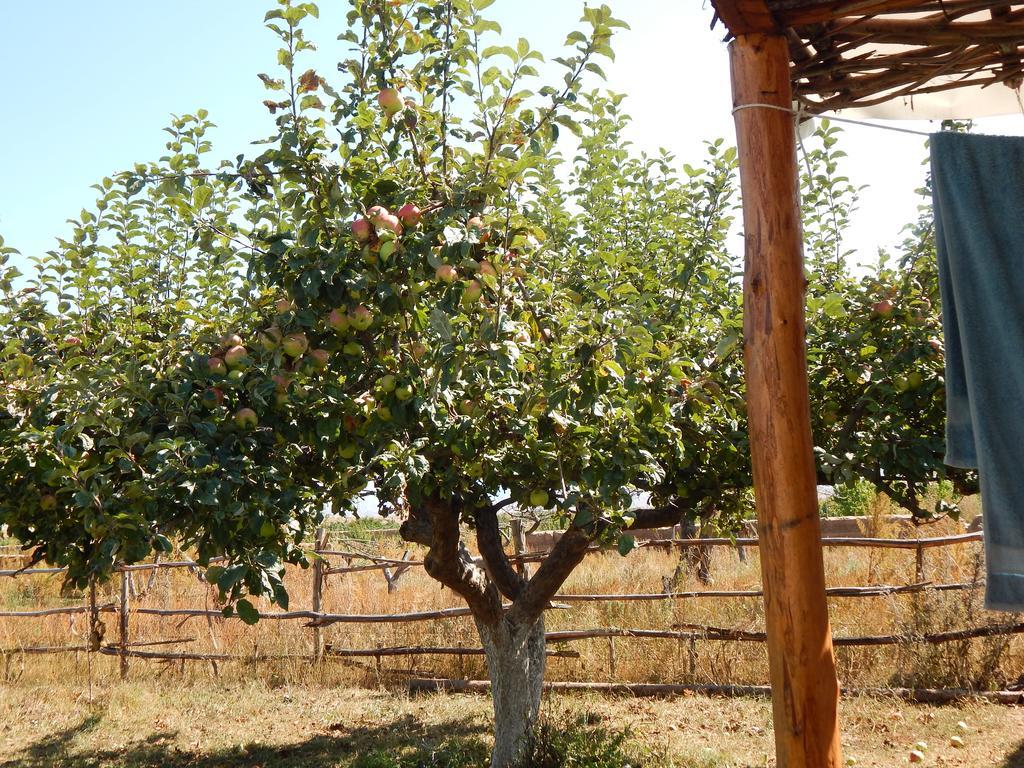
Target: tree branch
x=488, y=541
x=449, y=562
x=567, y=553
x=570, y=550
x=417, y=528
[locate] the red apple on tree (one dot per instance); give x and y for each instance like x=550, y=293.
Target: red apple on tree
x=361, y=229
x=338, y=321
x=476, y=227
x=284, y=305
x=486, y=268
x=390, y=100
x=319, y=358
x=389, y=223
x=882, y=308
x=409, y=214
x=376, y=214
x=231, y=340
x=216, y=366
x=212, y=397
x=446, y=273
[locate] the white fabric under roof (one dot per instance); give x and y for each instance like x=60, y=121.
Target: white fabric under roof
x=955, y=104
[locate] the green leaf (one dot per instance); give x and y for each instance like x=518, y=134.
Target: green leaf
x=247, y=612
x=201, y=196
x=626, y=544
x=612, y=367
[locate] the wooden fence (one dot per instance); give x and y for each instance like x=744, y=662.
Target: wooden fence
x=326, y=564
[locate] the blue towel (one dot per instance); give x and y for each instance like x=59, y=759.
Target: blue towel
x=978, y=197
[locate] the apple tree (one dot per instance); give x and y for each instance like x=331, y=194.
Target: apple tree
x=875, y=350
x=121, y=430
x=489, y=338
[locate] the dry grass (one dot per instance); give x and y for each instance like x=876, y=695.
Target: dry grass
x=978, y=663
x=178, y=723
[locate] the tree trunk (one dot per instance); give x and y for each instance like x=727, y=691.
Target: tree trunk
x=515, y=664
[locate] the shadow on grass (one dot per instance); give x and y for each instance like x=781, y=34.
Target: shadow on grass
x=401, y=743
x=1016, y=760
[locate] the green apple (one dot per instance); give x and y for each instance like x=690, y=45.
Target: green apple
x=403, y=393
x=347, y=450
x=472, y=292
x=245, y=418
x=539, y=498
x=295, y=344
x=47, y=501
x=352, y=348
x=269, y=338
x=386, y=383
x=361, y=318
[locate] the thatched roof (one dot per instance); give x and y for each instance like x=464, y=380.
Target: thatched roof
x=858, y=53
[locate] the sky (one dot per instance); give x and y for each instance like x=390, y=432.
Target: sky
x=87, y=88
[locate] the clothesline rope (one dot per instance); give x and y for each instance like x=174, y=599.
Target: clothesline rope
x=800, y=112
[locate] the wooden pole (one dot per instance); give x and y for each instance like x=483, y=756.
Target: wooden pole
x=123, y=623
x=519, y=545
x=318, y=586
x=805, y=691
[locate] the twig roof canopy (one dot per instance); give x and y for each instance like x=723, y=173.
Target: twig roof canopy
x=858, y=53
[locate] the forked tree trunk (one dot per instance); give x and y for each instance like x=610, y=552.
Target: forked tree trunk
x=515, y=663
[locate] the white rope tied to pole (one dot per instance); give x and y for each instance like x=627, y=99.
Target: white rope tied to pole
x=801, y=113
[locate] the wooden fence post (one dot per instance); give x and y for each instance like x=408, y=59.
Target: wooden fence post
x=123, y=622
x=318, y=587
x=919, y=564
x=519, y=544
x=95, y=634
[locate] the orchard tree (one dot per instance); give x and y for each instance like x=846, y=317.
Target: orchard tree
x=413, y=287
x=480, y=357
x=122, y=429
x=875, y=349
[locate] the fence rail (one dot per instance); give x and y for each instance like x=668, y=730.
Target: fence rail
x=316, y=619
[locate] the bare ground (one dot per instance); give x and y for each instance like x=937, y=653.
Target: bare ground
x=188, y=723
